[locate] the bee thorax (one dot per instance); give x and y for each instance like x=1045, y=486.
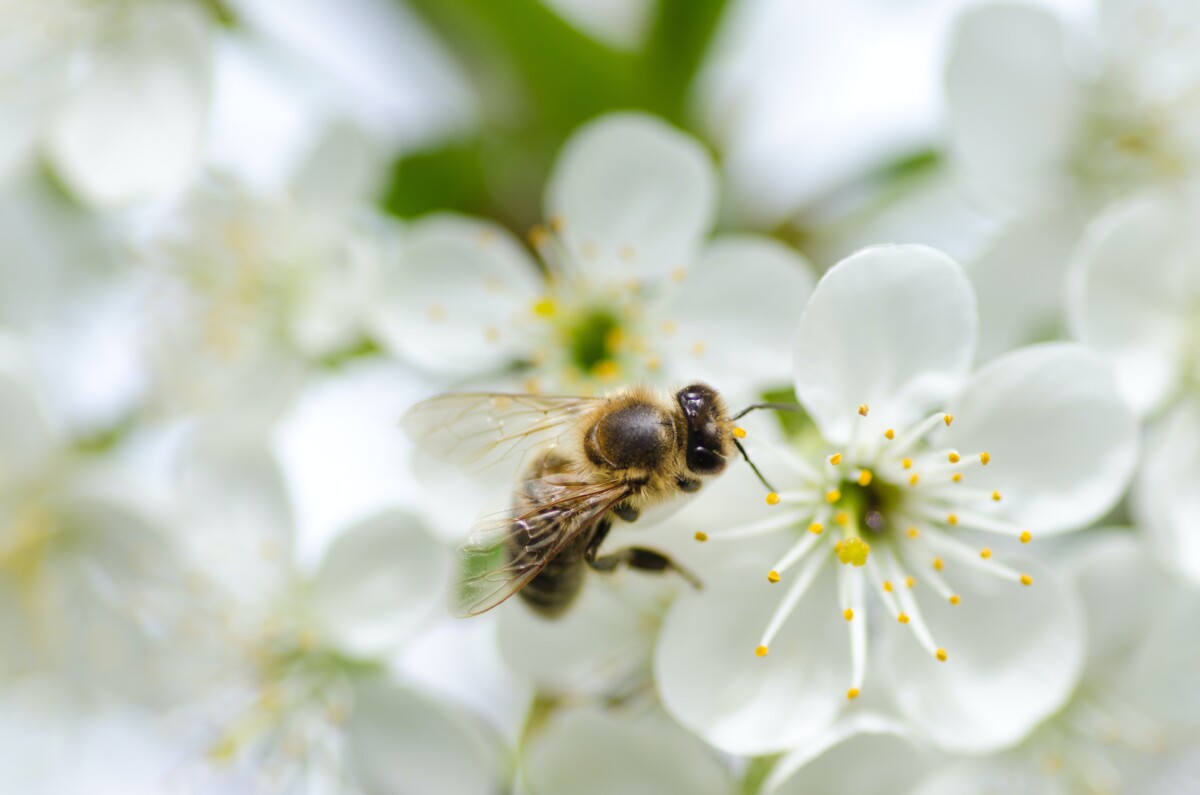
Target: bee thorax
x=638, y=436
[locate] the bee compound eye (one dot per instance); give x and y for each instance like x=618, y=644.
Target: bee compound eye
x=703, y=461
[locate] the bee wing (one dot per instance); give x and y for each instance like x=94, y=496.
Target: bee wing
x=492, y=570
x=477, y=431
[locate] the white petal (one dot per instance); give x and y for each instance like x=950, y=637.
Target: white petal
x=1020, y=281
x=380, y=580
x=598, y=753
x=1012, y=103
x=133, y=130
x=26, y=441
x=1133, y=292
x=740, y=302
x=1063, y=444
x=836, y=762
x=1002, y=774
x=454, y=301
x=636, y=196
x=892, y=327
x=344, y=168
x=400, y=740
x=1166, y=501
x=1014, y=656
x=711, y=681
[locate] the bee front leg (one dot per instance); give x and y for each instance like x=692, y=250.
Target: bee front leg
x=627, y=512
x=642, y=559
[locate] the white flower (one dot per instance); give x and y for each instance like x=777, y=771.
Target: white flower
x=116, y=95
x=633, y=290
x=1134, y=718
x=1135, y=298
x=903, y=523
x=298, y=688
x=1040, y=119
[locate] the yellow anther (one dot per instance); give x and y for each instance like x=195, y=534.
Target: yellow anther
x=772, y=498
x=941, y=655
x=955, y=599
x=854, y=551
x=864, y=477
x=956, y=477
x=739, y=433
x=557, y=223
x=761, y=651
x=947, y=418
x=1026, y=579
x=833, y=495
x=437, y=313
x=852, y=693
x=668, y=327
x=938, y=565
x=837, y=547
x=902, y=618
x=545, y=307
x=910, y=582
x=842, y=518
x=952, y=518
x=772, y=576
x=606, y=369
x=678, y=275
x=653, y=363
x=914, y=479
x=887, y=586
x=906, y=463
x=889, y=434
x=816, y=528
x=625, y=252
x=985, y=457
x=995, y=496
x=863, y=410
x=985, y=553
x=538, y=236
x=1026, y=536
x=699, y=347
x=835, y=459
x=848, y=614
x=491, y=334
x=913, y=532
x=701, y=536
x=954, y=458
x=531, y=385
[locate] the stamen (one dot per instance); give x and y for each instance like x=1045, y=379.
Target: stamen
x=964, y=554
x=935, y=580
x=907, y=463
x=809, y=573
x=701, y=536
x=953, y=458
x=948, y=418
x=835, y=459
x=985, y=553
x=853, y=551
x=864, y=477
x=863, y=410
x=833, y=495
x=858, y=629
x=941, y=653
x=976, y=521
x=772, y=576
x=883, y=588
x=909, y=605
x=772, y=498
x=890, y=434
x=545, y=307
x=1026, y=579
x=852, y=693
x=1026, y=536
x=795, y=553
x=816, y=528
x=984, y=458
x=739, y=432
x=918, y=432
x=763, y=526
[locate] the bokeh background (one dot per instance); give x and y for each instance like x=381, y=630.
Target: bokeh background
x=189, y=431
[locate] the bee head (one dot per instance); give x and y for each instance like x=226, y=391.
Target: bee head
x=707, y=436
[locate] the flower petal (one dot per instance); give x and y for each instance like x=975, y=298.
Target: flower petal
x=398, y=737
x=735, y=313
x=835, y=762
x=598, y=753
x=1133, y=292
x=1165, y=499
x=133, y=130
x=1006, y=67
x=711, y=681
x=890, y=326
x=26, y=440
x=452, y=302
x=380, y=580
x=635, y=195
x=1015, y=655
x=1062, y=442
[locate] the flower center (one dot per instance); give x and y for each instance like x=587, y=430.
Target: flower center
x=592, y=339
x=882, y=509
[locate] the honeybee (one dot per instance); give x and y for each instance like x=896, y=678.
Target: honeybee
x=585, y=461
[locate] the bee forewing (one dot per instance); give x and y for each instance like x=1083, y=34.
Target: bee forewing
x=507, y=550
x=479, y=431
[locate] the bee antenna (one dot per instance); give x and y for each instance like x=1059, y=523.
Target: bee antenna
x=761, y=479
x=775, y=406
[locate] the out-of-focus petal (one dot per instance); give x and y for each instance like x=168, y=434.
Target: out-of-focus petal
x=598, y=753
x=380, y=579
x=1014, y=656
x=735, y=313
x=635, y=196
x=834, y=763
x=890, y=326
x=1012, y=103
x=1165, y=500
x=455, y=301
x=133, y=129
x=1062, y=442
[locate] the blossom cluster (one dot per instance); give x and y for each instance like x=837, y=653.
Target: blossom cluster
x=965, y=559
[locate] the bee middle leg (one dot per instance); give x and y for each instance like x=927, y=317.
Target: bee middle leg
x=635, y=558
